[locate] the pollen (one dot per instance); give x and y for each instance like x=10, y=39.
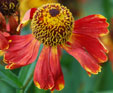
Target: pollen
x=8, y=7
x=52, y=24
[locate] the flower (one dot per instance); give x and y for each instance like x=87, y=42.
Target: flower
x=8, y=9
x=53, y=26
x=28, y=4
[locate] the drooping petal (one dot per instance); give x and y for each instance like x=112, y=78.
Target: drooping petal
x=43, y=77
x=92, y=45
x=56, y=68
x=22, y=51
x=3, y=42
x=48, y=73
x=93, y=25
x=84, y=58
x=28, y=15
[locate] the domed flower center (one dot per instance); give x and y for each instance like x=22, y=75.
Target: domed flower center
x=52, y=24
x=8, y=7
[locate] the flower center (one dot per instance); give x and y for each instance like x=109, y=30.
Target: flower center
x=8, y=7
x=52, y=24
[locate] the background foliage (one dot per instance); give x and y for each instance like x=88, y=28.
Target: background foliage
x=76, y=79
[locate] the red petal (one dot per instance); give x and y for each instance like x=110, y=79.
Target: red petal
x=56, y=69
x=13, y=25
x=92, y=45
x=3, y=42
x=43, y=77
x=59, y=51
x=48, y=73
x=22, y=51
x=84, y=58
x=18, y=42
x=2, y=22
x=93, y=25
x=28, y=15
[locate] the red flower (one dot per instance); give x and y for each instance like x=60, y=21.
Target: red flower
x=7, y=10
x=54, y=27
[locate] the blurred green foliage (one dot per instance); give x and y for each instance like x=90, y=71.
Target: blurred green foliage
x=76, y=78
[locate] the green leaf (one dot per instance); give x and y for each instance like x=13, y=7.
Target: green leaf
x=6, y=88
x=107, y=9
x=9, y=77
x=25, y=72
x=25, y=76
x=106, y=82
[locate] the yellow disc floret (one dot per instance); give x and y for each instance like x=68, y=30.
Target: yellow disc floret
x=52, y=24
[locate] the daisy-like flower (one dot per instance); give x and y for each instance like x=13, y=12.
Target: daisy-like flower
x=53, y=26
x=7, y=9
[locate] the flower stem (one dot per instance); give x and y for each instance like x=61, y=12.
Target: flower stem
x=27, y=82
x=23, y=89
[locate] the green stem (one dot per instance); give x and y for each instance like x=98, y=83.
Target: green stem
x=27, y=81
x=22, y=90
x=27, y=78
x=10, y=77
